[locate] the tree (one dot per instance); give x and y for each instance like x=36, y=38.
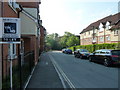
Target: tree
x=72, y=40
x=52, y=41
x=69, y=39
x=55, y=42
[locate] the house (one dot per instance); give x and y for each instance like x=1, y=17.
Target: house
x=102, y=31
x=26, y=54
x=42, y=38
x=30, y=28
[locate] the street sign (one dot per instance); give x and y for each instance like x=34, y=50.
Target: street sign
x=9, y=30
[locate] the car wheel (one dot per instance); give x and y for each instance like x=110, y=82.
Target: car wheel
x=106, y=62
x=90, y=59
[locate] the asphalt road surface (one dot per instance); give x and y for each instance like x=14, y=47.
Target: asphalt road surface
x=84, y=74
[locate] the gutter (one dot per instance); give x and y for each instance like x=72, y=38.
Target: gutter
x=19, y=8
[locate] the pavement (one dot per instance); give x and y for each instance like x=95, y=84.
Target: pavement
x=45, y=75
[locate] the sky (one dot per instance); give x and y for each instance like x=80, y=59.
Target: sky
x=59, y=16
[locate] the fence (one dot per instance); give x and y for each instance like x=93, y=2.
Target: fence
x=21, y=71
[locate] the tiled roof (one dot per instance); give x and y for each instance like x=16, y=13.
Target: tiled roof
x=112, y=19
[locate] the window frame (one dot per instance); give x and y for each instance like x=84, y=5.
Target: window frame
x=101, y=39
x=11, y=4
x=116, y=32
x=108, y=38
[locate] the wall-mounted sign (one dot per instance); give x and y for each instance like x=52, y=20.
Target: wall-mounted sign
x=9, y=30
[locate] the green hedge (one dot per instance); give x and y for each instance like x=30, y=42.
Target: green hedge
x=97, y=46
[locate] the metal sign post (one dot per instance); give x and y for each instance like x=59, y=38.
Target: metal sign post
x=10, y=34
x=10, y=52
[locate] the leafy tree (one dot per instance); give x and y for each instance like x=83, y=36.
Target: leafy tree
x=55, y=42
x=72, y=41
x=69, y=39
x=52, y=41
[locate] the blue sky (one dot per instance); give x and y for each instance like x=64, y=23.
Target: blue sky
x=74, y=15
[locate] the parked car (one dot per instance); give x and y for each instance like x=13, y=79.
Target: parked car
x=80, y=53
x=63, y=50
x=75, y=52
x=68, y=51
x=105, y=56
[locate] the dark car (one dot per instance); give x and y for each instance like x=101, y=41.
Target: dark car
x=68, y=51
x=63, y=50
x=105, y=56
x=80, y=53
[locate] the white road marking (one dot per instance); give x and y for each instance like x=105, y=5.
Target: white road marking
x=60, y=72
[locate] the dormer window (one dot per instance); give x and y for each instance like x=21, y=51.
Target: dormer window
x=101, y=27
x=108, y=26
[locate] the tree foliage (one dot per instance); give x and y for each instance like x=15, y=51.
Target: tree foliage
x=69, y=39
x=56, y=42
x=52, y=41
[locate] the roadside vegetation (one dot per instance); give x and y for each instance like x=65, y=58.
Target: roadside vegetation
x=90, y=48
x=56, y=42
x=69, y=40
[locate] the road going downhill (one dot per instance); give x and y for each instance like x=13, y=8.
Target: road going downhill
x=84, y=74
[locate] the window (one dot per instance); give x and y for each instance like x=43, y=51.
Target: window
x=116, y=52
x=108, y=38
x=102, y=52
x=12, y=51
x=89, y=32
x=12, y=3
x=97, y=52
x=101, y=27
x=107, y=52
x=115, y=32
x=101, y=39
x=108, y=26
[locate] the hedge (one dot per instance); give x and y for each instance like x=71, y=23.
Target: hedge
x=97, y=46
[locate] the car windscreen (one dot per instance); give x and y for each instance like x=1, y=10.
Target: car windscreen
x=117, y=52
x=83, y=50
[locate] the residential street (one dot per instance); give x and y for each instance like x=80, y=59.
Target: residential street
x=77, y=73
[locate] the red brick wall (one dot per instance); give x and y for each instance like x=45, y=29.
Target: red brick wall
x=7, y=11
x=31, y=44
x=42, y=39
x=29, y=4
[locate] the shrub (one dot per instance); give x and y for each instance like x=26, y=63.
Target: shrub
x=97, y=46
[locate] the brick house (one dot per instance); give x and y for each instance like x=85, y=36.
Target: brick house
x=30, y=28
x=5, y=9
x=105, y=31
x=42, y=38
x=28, y=13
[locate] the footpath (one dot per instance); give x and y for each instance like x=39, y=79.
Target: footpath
x=45, y=75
